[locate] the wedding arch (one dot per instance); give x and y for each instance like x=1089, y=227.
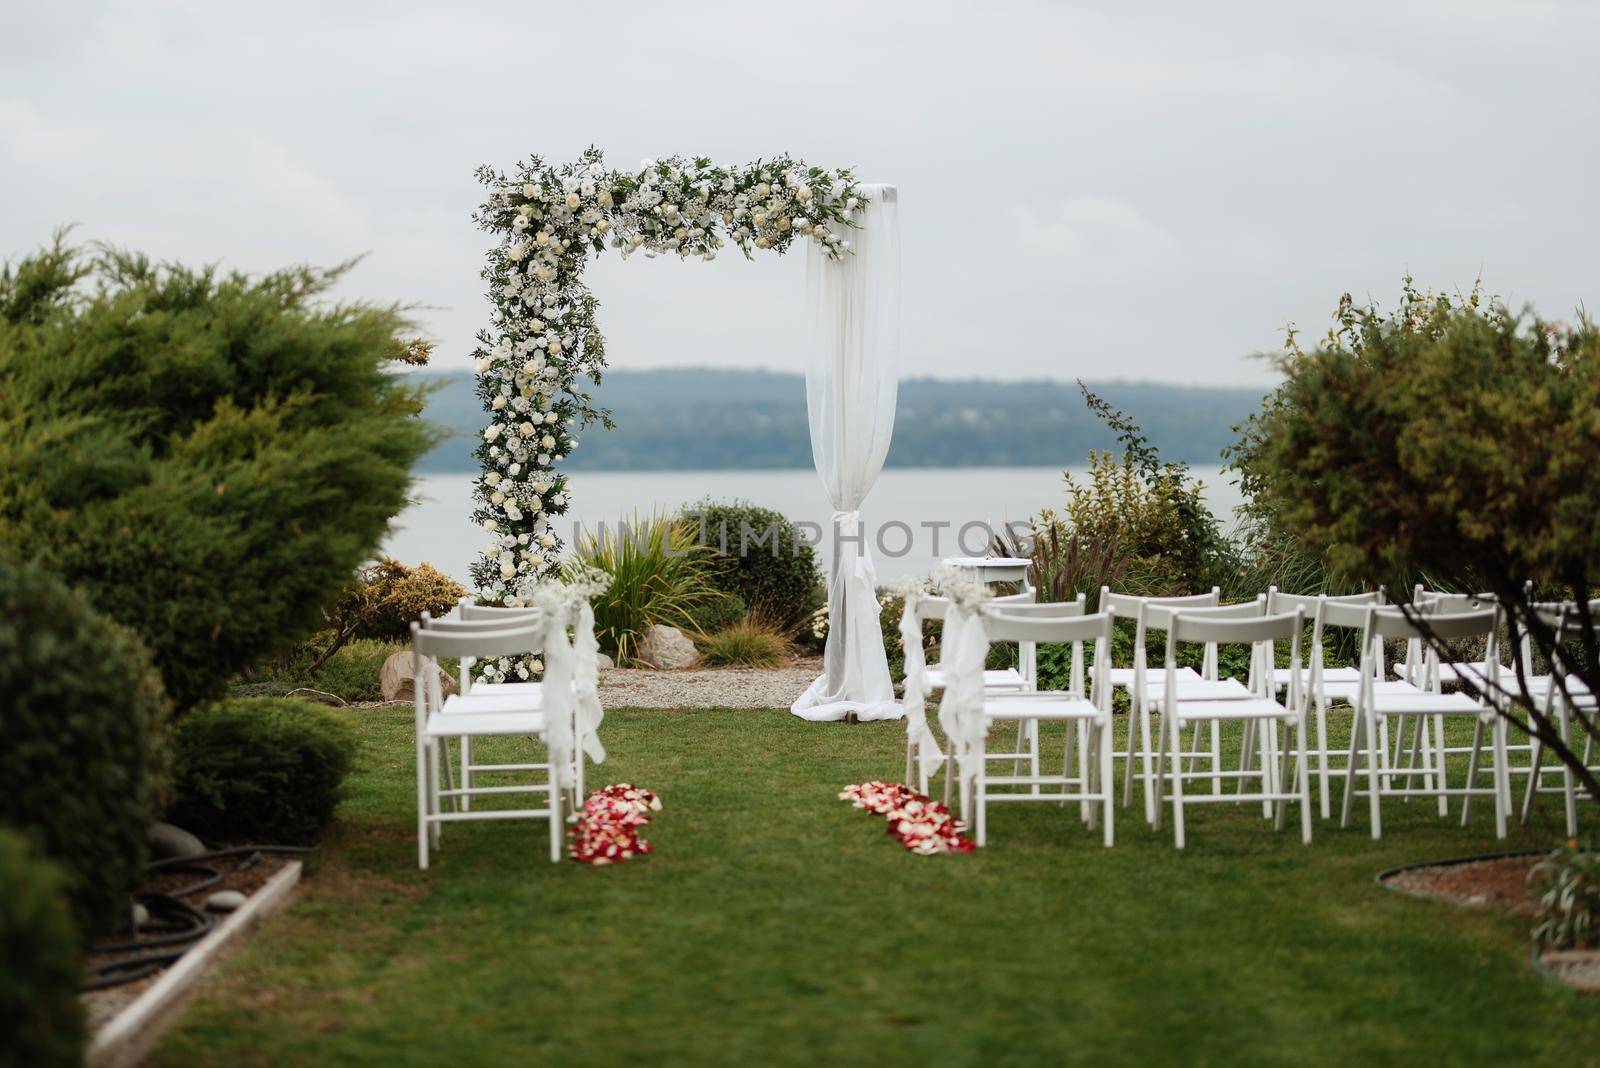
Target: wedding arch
x=543, y=345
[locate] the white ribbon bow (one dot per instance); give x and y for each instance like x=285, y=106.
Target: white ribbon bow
x=586, y=682
x=849, y=527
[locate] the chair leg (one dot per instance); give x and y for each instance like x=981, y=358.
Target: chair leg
x=1103, y=734
x=1534, y=775
x=464, y=803
x=1502, y=777
x=1357, y=729
x=1441, y=764
x=1144, y=750
x=980, y=794
x=557, y=824
x=1282, y=786
x=1472, y=770
x=1216, y=758
x=1022, y=738
x=1569, y=793
x=1322, y=756
x=1377, y=755
x=1161, y=773
x=435, y=827
x=1269, y=766
x=1304, y=777
x=1177, y=778
x=422, y=803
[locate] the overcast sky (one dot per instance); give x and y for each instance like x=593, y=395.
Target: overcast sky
x=1101, y=189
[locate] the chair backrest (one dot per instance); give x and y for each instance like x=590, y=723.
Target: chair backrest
x=1446, y=624
x=479, y=626
x=1128, y=605
x=467, y=610
x=1028, y=630
x=1279, y=602
x=1024, y=597
x=1439, y=601
x=1040, y=609
x=434, y=642
x=1212, y=629
x=1160, y=616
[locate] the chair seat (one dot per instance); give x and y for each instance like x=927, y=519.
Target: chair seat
x=1347, y=691
x=1428, y=704
x=1281, y=676
x=1251, y=708
x=1044, y=704
x=1200, y=690
x=1447, y=672
x=475, y=703
x=1002, y=679
x=534, y=690
x=1124, y=676
x=479, y=723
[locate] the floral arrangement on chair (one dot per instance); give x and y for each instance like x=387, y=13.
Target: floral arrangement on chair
x=921, y=825
x=608, y=828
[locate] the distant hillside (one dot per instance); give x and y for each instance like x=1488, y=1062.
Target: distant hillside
x=699, y=418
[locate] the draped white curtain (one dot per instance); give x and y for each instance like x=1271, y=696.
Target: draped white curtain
x=850, y=396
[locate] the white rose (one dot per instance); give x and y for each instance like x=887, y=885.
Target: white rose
x=480, y=366
x=529, y=367
x=499, y=402
x=548, y=441
x=497, y=497
x=490, y=525
x=555, y=345
x=491, y=432
x=803, y=193
x=548, y=540
x=508, y=570
x=572, y=201
x=527, y=430
x=604, y=199
x=550, y=417
x=528, y=190
x=601, y=226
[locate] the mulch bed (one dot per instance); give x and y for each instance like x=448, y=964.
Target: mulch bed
x=246, y=873
x=1497, y=883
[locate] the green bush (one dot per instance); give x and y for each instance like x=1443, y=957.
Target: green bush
x=41, y=1015
x=748, y=643
x=1568, y=881
x=260, y=769
x=718, y=613
x=762, y=557
x=351, y=672
x=209, y=456
x=388, y=596
x=81, y=716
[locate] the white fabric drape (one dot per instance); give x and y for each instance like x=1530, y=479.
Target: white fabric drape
x=850, y=397
x=557, y=690
x=963, y=648
x=914, y=702
x=586, y=683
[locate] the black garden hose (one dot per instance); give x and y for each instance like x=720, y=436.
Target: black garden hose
x=174, y=924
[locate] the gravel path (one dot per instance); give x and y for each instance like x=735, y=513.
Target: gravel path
x=708, y=687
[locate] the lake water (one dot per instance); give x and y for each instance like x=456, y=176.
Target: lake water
x=913, y=518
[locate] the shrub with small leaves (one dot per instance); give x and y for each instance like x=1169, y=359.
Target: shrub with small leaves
x=747, y=643
x=762, y=556
x=81, y=718
x=260, y=769
x=41, y=1015
x=1569, y=900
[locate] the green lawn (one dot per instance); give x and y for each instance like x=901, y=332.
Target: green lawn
x=776, y=924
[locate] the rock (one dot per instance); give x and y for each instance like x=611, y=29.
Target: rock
x=166, y=841
x=605, y=662
x=141, y=915
x=667, y=647
x=397, y=684
x=225, y=901
x=319, y=696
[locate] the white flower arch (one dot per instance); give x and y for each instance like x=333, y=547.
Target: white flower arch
x=542, y=340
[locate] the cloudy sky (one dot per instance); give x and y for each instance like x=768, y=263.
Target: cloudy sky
x=1139, y=190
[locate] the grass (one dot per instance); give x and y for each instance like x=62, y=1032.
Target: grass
x=747, y=643
x=777, y=925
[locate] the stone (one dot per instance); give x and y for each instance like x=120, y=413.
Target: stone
x=141, y=915
x=667, y=648
x=166, y=842
x=322, y=697
x=605, y=662
x=225, y=901
x=396, y=682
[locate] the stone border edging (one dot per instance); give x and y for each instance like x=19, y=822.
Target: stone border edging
x=128, y=1036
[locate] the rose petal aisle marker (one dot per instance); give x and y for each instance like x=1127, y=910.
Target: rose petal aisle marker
x=921, y=825
x=608, y=828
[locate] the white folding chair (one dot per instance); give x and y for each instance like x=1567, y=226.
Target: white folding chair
x=1085, y=711
x=499, y=696
x=1020, y=679
x=1558, y=699
x=438, y=719
x=1374, y=708
x=1260, y=713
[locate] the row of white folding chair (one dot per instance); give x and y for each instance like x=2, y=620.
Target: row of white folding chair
x=1426, y=772
x=1153, y=615
x=1086, y=713
x=1259, y=712
x=438, y=719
